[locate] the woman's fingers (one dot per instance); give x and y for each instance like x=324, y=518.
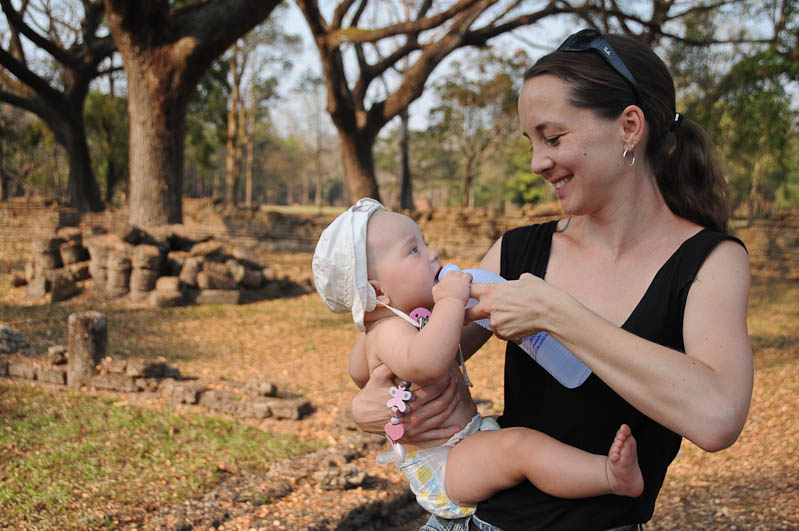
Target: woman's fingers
x=369, y=409
x=429, y=410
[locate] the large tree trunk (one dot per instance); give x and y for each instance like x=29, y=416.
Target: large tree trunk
x=157, y=133
x=166, y=48
x=359, y=166
x=84, y=194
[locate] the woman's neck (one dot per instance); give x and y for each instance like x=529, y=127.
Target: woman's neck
x=641, y=216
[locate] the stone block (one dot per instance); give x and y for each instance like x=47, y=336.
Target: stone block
x=118, y=282
x=57, y=354
x=18, y=279
x=99, y=272
x=141, y=368
x=257, y=387
x=174, y=262
x=100, y=247
x=118, y=260
x=63, y=287
x=30, y=271
x=218, y=296
x=217, y=268
x=70, y=234
x=270, y=275
x=191, y=267
x=131, y=234
x=46, y=262
x=165, y=299
x=114, y=382
x=236, y=270
x=210, y=280
x=11, y=341
x=87, y=340
x=167, y=284
x=184, y=392
x=51, y=376
x=220, y=401
x=79, y=270
x=139, y=296
x=46, y=245
x=146, y=384
x=37, y=288
x=289, y=408
x=209, y=248
x=143, y=279
x=257, y=409
x=113, y=366
x=71, y=252
x=21, y=370
x=147, y=257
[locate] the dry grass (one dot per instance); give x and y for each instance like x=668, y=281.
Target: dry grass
x=300, y=346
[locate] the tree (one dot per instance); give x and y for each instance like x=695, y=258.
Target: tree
x=355, y=53
x=738, y=93
x=475, y=116
x=255, y=62
x=55, y=89
x=166, y=48
x=107, y=129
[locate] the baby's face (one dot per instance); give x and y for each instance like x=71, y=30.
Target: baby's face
x=400, y=261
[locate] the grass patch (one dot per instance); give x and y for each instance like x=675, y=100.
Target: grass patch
x=68, y=454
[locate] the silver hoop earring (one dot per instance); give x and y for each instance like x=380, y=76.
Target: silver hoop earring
x=627, y=160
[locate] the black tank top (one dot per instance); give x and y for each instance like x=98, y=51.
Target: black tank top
x=587, y=417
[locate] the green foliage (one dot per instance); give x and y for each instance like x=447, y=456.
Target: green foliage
x=475, y=118
x=106, y=120
x=32, y=161
x=739, y=95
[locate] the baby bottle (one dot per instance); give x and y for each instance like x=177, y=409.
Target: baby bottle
x=547, y=351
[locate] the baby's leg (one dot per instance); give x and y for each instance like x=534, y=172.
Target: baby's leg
x=489, y=461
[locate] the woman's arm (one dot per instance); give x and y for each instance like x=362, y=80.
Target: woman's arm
x=703, y=395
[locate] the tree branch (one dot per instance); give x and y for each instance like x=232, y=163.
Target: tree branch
x=353, y=35
x=15, y=20
x=28, y=78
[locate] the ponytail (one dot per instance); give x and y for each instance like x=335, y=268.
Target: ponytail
x=689, y=177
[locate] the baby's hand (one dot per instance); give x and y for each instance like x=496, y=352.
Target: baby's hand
x=455, y=284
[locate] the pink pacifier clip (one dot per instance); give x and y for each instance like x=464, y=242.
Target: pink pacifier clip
x=400, y=395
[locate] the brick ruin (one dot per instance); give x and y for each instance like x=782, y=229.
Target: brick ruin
x=83, y=363
x=159, y=266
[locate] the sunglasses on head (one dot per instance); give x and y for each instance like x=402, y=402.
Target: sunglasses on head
x=589, y=39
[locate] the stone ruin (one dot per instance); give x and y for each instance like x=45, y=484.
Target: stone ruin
x=158, y=266
x=83, y=363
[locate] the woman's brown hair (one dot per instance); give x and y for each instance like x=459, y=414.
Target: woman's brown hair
x=681, y=153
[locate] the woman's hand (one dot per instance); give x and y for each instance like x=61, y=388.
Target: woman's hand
x=516, y=309
x=429, y=408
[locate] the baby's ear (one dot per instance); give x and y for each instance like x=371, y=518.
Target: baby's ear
x=381, y=296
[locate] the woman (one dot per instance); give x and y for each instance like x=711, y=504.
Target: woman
x=641, y=281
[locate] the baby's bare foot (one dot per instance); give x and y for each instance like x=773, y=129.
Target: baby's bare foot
x=624, y=475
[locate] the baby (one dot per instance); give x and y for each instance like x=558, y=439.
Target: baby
x=386, y=272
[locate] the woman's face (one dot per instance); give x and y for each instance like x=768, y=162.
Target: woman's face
x=579, y=153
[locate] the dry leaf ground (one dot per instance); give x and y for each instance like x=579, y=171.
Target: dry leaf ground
x=300, y=346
